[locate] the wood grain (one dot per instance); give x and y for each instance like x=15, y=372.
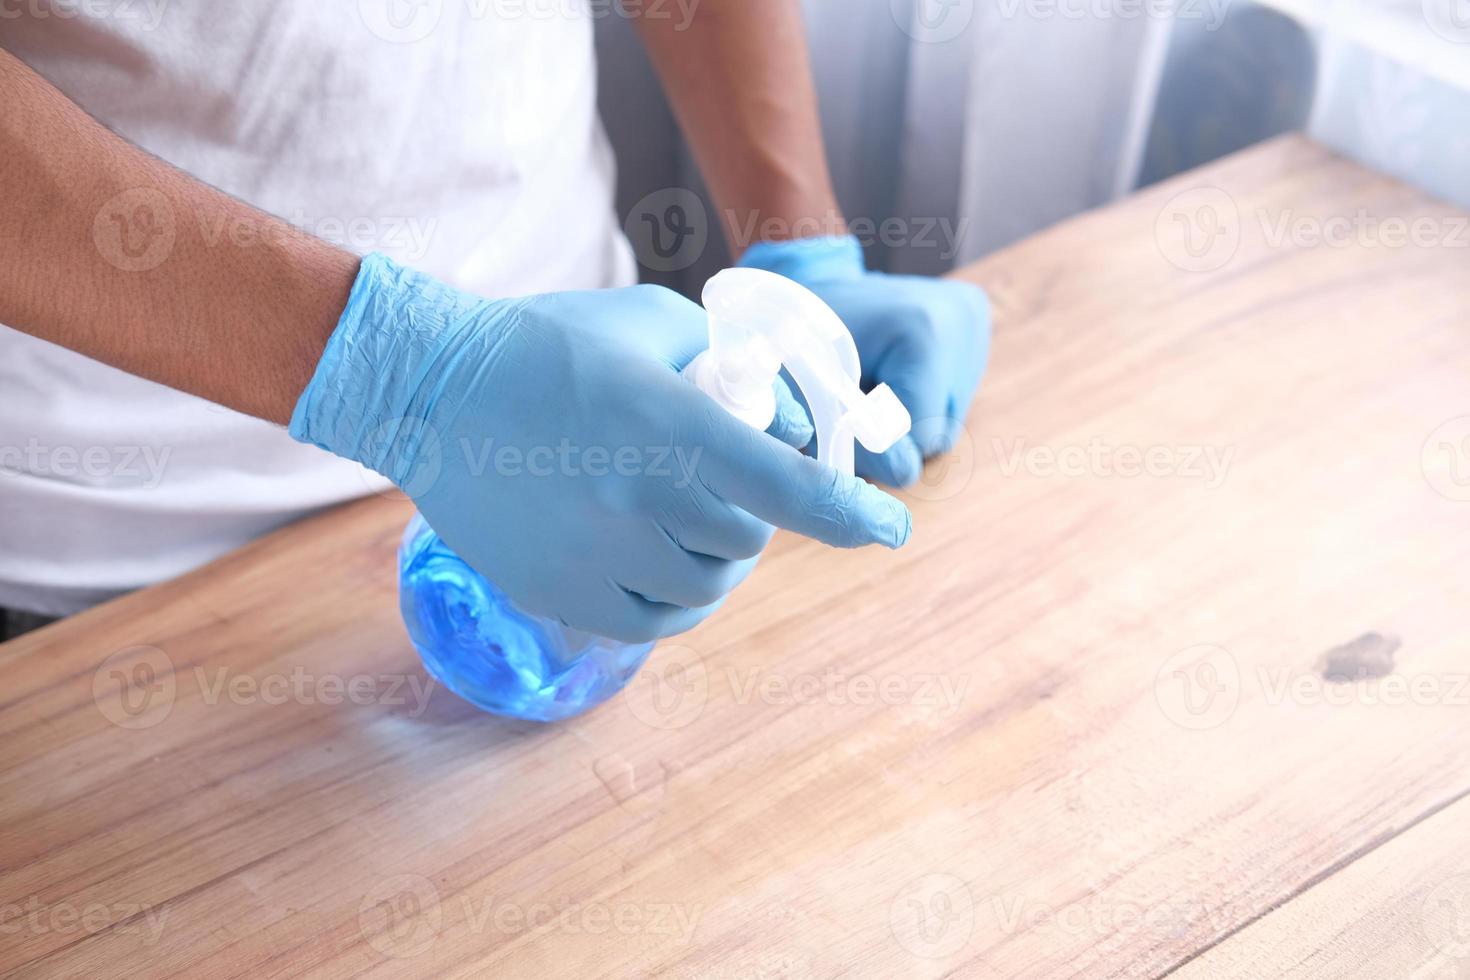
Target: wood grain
x=1079, y=727
x=1402, y=911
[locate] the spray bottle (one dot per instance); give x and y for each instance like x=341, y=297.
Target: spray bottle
x=476, y=641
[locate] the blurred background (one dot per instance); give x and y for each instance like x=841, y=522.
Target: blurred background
x=968, y=124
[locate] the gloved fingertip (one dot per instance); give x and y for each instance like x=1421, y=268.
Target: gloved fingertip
x=935, y=436
x=903, y=527
x=793, y=428
x=890, y=523
x=791, y=425
x=905, y=463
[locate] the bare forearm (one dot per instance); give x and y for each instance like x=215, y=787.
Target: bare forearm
x=116, y=255
x=739, y=75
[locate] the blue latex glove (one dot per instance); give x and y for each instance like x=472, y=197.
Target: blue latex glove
x=928, y=339
x=661, y=501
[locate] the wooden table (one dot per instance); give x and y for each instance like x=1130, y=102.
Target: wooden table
x=1171, y=680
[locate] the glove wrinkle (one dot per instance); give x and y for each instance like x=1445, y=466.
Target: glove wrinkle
x=529, y=432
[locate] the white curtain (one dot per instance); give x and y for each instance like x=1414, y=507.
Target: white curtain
x=1393, y=87
x=973, y=123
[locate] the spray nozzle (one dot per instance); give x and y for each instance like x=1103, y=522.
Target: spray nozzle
x=760, y=321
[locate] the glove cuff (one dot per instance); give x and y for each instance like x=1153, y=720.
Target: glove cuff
x=360, y=402
x=833, y=257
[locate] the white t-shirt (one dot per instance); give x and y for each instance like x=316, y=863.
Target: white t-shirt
x=453, y=135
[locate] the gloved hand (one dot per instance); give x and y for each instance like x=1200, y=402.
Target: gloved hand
x=928, y=339
x=551, y=442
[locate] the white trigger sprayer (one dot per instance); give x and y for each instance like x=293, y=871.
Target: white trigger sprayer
x=759, y=321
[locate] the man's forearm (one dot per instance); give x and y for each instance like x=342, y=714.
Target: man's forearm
x=116, y=255
x=739, y=75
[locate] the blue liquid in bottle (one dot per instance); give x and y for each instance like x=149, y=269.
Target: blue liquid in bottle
x=475, y=641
